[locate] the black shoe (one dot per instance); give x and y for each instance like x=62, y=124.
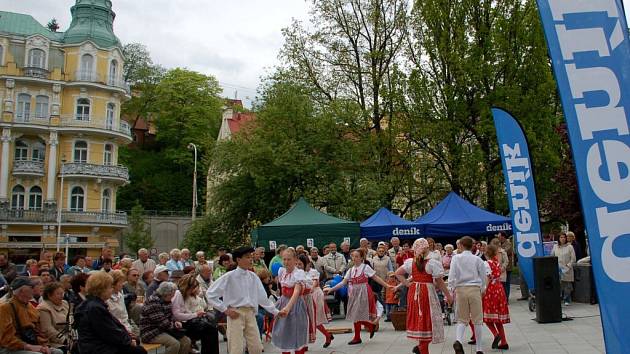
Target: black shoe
x=522, y=299
x=503, y=346
x=415, y=350
x=479, y=352
x=472, y=342
x=459, y=349
x=495, y=342
x=355, y=341
x=329, y=341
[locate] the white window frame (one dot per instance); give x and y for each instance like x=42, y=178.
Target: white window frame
x=23, y=109
x=106, y=202
x=71, y=197
x=82, y=116
x=42, y=106
x=38, y=146
x=113, y=72
x=38, y=196
x=108, y=156
x=23, y=150
x=41, y=61
x=110, y=113
x=82, y=151
x=16, y=197
x=87, y=72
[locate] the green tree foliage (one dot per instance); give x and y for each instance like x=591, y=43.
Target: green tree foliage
x=137, y=236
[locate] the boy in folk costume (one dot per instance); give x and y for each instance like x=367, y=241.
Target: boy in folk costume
x=424, y=314
x=495, y=305
x=318, y=313
x=238, y=294
x=290, y=333
x=468, y=277
x=360, y=295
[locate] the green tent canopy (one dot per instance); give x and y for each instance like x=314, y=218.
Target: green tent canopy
x=303, y=224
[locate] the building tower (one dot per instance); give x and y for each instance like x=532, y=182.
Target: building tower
x=60, y=99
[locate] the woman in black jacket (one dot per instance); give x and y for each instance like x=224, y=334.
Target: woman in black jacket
x=98, y=331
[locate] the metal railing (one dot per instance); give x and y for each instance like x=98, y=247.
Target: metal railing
x=36, y=72
x=113, y=81
x=83, y=217
x=94, y=170
x=27, y=117
x=91, y=76
x=72, y=121
x=28, y=167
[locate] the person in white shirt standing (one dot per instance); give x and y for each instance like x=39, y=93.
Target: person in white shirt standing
x=468, y=277
x=242, y=293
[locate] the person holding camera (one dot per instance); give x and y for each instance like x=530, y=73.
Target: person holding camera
x=18, y=322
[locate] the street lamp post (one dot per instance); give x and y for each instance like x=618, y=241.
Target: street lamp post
x=60, y=205
x=193, y=147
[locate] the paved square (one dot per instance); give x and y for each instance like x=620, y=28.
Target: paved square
x=582, y=335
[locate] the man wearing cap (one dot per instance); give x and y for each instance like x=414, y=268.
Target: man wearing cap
x=238, y=294
x=160, y=274
x=19, y=308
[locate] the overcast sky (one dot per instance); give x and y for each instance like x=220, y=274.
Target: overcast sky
x=235, y=41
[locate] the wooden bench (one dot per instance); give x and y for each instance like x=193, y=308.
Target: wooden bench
x=150, y=347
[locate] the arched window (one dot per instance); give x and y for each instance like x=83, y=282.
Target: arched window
x=109, y=119
x=113, y=72
x=106, y=201
x=35, y=198
x=37, y=58
x=17, y=198
x=80, y=151
x=108, y=154
x=23, y=107
x=39, y=151
x=87, y=68
x=83, y=109
x=21, y=150
x=77, y=198
x=41, y=107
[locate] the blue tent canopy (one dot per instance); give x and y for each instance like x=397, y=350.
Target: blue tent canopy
x=385, y=224
x=455, y=216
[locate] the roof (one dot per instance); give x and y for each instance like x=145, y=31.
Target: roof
x=239, y=120
x=385, y=224
x=25, y=25
x=302, y=213
x=140, y=124
x=456, y=216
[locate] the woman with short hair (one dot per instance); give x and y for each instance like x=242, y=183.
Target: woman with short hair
x=221, y=268
x=158, y=325
x=54, y=315
x=98, y=330
x=78, y=266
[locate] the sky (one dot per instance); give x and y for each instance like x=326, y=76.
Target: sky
x=236, y=41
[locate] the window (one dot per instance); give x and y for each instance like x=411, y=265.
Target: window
x=87, y=68
x=108, y=154
x=35, y=198
x=17, y=198
x=106, y=201
x=80, y=151
x=41, y=107
x=24, y=107
x=37, y=58
x=113, y=72
x=1, y=54
x=83, y=109
x=21, y=150
x=77, y=198
x=39, y=151
x=109, y=119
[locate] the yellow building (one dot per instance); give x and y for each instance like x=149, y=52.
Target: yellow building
x=60, y=95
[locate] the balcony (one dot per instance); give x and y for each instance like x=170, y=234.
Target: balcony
x=67, y=217
x=35, y=72
x=110, y=172
x=113, y=81
x=93, y=77
x=28, y=168
x=83, y=121
x=28, y=118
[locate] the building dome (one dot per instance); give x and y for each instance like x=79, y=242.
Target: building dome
x=92, y=20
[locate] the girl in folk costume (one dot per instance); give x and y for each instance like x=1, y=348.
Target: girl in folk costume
x=495, y=306
x=424, y=315
x=290, y=331
x=318, y=313
x=360, y=295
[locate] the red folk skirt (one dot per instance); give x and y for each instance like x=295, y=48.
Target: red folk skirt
x=424, y=314
x=495, y=306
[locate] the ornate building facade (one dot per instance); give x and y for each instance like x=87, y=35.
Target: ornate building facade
x=60, y=97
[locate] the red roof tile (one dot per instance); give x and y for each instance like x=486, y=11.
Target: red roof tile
x=239, y=120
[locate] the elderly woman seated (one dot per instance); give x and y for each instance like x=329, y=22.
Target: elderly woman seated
x=190, y=308
x=98, y=331
x=116, y=304
x=158, y=325
x=54, y=316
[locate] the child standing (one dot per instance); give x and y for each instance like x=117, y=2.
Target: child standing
x=360, y=295
x=391, y=295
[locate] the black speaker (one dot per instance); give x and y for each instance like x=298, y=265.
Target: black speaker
x=547, y=281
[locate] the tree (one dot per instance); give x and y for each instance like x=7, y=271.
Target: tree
x=52, y=25
x=137, y=236
x=138, y=63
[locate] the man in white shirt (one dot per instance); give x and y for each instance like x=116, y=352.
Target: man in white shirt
x=238, y=294
x=468, y=277
x=334, y=263
x=143, y=263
